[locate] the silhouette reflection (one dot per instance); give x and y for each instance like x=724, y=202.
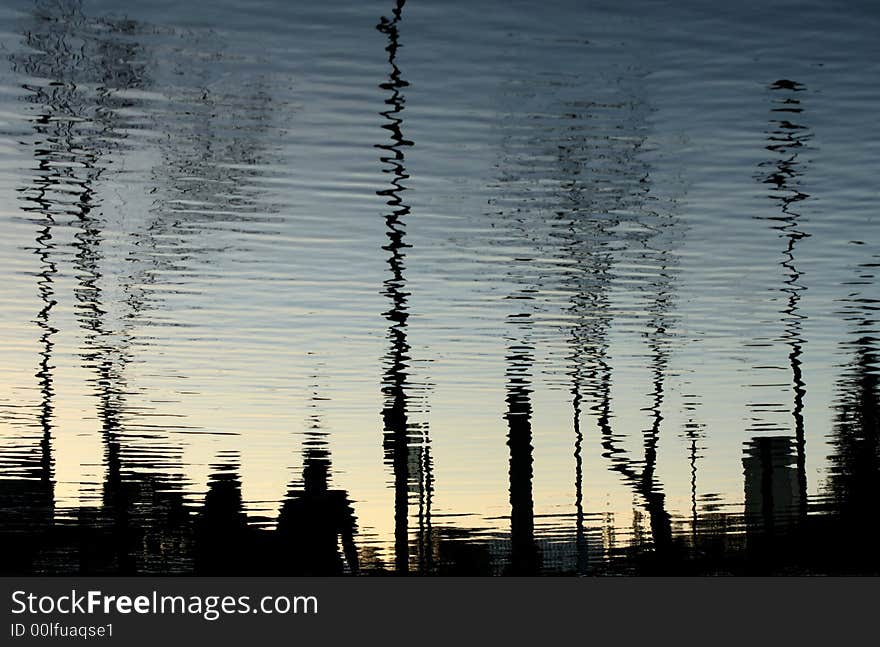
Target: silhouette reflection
x=524, y=555
x=405, y=444
x=586, y=239
x=694, y=432
x=854, y=479
x=82, y=64
x=223, y=541
x=653, y=248
x=785, y=140
x=73, y=129
x=314, y=519
x=772, y=495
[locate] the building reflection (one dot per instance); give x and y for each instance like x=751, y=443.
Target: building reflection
x=772, y=492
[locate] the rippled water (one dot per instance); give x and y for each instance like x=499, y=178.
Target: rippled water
x=455, y=288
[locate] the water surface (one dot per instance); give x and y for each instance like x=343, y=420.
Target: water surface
x=438, y=288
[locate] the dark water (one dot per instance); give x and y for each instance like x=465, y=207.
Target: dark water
x=439, y=288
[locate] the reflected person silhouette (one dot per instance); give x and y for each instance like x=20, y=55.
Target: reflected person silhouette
x=222, y=545
x=312, y=522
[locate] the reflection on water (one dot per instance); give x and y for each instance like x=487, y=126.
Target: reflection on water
x=785, y=141
x=524, y=557
x=413, y=289
x=394, y=386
